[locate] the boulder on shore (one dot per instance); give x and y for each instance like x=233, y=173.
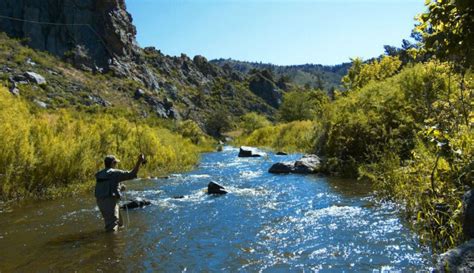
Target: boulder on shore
x=135, y=203
x=214, y=188
x=250, y=152
x=459, y=259
x=306, y=165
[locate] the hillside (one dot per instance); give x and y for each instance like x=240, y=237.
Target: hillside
x=315, y=75
x=88, y=57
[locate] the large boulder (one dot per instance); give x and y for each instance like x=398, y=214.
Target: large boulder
x=306, y=165
x=245, y=151
x=282, y=167
x=214, y=188
x=459, y=259
x=35, y=77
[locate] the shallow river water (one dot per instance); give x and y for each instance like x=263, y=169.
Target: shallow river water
x=267, y=223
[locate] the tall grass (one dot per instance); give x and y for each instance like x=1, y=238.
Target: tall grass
x=43, y=154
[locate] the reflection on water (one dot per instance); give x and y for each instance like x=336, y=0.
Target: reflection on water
x=267, y=223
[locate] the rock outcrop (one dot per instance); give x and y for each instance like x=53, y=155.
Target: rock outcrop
x=102, y=29
x=306, y=165
x=245, y=151
x=262, y=85
x=93, y=35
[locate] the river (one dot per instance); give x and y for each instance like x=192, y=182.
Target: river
x=266, y=223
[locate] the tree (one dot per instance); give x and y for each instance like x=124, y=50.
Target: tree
x=253, y=121
x=302, y=105
x=447, y=31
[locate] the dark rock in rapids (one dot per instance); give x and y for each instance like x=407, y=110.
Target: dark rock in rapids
x=281, y=153
x=250, y=152
x=214, y=188
x=136, y=203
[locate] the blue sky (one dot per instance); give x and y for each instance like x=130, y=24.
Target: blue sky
x=282, y=32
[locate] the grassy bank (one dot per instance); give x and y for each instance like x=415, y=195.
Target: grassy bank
x=45, y=154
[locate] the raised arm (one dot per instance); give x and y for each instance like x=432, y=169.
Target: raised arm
x=140, y=160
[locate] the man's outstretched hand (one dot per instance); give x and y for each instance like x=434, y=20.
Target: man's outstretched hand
x=141, y=159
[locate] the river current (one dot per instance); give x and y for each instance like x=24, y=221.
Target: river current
x=266, y=223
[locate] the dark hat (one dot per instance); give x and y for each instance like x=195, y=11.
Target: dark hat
x=110, y=159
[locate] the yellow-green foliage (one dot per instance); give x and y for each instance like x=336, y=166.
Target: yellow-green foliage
x=412, y=135
x=253, y=121
x=295, y=136
x=302, y=105
x=44, y=153
x=361, y=74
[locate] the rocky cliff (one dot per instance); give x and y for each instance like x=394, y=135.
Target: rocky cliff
x=92, y=34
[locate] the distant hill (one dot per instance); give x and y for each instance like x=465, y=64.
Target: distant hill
x=314, y=75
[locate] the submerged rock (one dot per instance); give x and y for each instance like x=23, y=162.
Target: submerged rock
x=250, y=152
x=136, y=203
x=306, y=165
x=214, y=188
x=459, y=259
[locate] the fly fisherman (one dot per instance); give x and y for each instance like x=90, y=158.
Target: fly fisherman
x=108, y=188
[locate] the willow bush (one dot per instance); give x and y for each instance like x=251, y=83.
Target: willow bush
x=43, y=154
x=296, y=136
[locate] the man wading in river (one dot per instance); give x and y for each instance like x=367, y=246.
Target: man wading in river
x=108, y=187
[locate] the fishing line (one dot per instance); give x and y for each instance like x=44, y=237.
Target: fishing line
x=126, y=209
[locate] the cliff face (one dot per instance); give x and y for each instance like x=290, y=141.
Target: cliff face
x=93, y=34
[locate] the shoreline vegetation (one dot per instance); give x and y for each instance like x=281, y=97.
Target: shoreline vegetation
x=47, y=154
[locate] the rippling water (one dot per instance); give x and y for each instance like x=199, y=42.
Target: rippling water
x=267, y=223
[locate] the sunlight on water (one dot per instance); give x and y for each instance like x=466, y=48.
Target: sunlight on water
x=266, y=223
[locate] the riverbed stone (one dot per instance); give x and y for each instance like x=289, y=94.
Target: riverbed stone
x=246, y=151
x=459, y=259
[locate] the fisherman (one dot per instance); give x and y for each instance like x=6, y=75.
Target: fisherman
x=108, y=188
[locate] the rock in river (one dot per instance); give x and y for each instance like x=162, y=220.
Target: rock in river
x=307, y=164
x=214, y=188
x=136, y=203
x=250, y=152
